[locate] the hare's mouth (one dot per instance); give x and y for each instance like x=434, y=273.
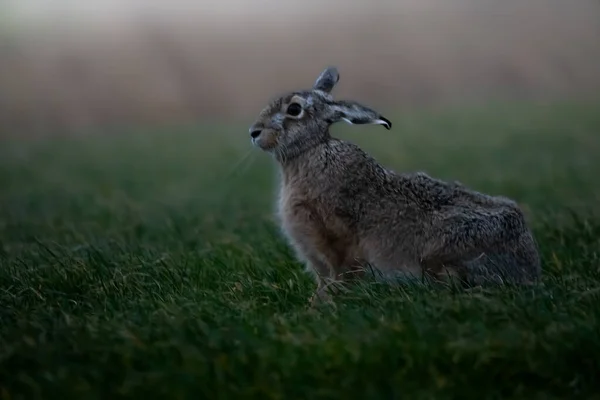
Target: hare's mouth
x=266, y=141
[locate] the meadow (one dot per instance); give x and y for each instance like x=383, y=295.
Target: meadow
x=147, y=263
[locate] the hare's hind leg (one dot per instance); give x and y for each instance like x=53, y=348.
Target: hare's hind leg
x=450, y=272
x=494, y=268
x=513, y=264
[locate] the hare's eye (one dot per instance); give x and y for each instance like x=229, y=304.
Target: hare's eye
x=294, y=109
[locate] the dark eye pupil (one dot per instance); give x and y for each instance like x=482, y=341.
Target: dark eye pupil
x=294, y=109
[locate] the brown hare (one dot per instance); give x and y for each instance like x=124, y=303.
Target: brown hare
x=342, y=211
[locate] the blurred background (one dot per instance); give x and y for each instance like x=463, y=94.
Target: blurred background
x=70, y=65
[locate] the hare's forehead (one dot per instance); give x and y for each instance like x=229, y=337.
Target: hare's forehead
x=306, y=97
x=273, y=107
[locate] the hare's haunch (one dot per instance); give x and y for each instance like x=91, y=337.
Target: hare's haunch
x=342, y=210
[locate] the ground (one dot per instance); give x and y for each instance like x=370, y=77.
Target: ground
x=148, y=263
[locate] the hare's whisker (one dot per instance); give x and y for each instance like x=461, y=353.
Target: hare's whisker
x=238, y=164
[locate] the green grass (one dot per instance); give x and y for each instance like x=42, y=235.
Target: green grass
x=149, y=265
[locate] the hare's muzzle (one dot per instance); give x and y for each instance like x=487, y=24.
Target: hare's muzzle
x=254, y=133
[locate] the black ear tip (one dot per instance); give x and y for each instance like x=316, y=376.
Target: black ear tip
x=387, y=124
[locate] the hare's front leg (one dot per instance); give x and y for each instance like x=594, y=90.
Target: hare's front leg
x=330, y=279
x=328, y=282
x=316, y=245
x=322, y=273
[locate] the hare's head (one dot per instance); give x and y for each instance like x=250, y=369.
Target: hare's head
x=297, y=121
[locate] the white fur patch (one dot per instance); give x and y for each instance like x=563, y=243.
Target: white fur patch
x=375, y=122
x=381, y=122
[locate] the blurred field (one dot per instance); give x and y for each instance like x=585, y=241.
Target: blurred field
x=148, y=264
x=70, y=65
x=139, y=256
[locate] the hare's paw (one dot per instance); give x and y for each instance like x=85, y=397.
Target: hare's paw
x=321, y=296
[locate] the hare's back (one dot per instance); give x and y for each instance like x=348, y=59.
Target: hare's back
x=435, y=194
x=453, y=207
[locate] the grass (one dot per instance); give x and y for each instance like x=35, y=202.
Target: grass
x=149, y=265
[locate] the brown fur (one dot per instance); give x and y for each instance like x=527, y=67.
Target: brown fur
x=342, y=211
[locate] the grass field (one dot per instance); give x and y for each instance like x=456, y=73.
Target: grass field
x=149, y=264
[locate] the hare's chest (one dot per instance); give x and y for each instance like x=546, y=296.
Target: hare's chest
x=296, y=210
x=288, y=202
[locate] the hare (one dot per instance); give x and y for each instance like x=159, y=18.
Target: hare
x=341, y=210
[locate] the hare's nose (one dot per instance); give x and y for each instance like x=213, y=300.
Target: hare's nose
x=255, y=133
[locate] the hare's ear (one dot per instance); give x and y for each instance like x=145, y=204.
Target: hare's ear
x=327, y=80
x=356, y=114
